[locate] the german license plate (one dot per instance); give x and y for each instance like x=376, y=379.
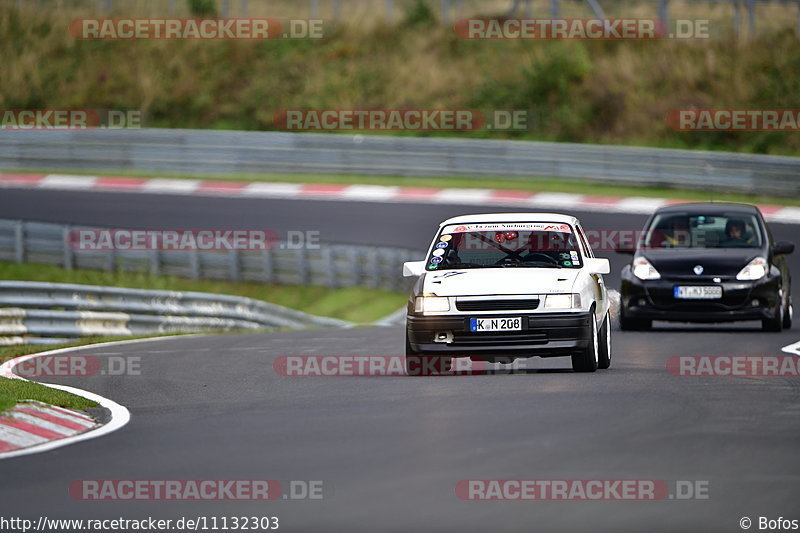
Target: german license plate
x=495, y=324
x=698, y=293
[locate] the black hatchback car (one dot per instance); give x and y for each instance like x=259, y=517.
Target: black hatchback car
x=707, y=262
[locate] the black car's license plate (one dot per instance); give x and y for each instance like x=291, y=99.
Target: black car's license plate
x=698, y=293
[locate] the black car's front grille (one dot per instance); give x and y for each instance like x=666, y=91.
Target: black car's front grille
x=496, y=305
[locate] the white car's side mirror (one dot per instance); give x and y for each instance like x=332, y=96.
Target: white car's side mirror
x=598, y=266
x=413, y=269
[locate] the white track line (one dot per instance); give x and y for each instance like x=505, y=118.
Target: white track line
x=119, y=414
x=793, y=349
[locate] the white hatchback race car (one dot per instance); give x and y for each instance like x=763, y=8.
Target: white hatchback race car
x=499, y=287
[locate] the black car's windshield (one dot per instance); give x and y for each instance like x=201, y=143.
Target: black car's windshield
x=508, y=245
x=709, y=230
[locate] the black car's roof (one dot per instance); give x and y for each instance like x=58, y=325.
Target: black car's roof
x=706, y=207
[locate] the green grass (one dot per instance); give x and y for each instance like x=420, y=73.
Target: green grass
x=610, y=92
x=14, y=390
x=10, y=352
x=576, y=186
x=6, y=403
x=356, y=304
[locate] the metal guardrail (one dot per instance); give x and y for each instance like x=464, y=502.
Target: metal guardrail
x=329, y=265
x=216, y=151
x=46, y=313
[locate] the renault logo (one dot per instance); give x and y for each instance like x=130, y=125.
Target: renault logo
x=698, y=269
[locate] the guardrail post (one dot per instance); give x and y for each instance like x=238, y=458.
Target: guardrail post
x=314, y=8
x=736, y=17
x=243, y=7
x=302, y=265
x=69, y=257
x=234, y=265
x=155, y=262
x=751, y=16
x=374, y=268
x=266, y=262
x=555, y=9
x=194, y=264
x=327, y=263
x=225, y=8
x=337, y=9
x=358, y=268
x=111, y=260
x=19, y=242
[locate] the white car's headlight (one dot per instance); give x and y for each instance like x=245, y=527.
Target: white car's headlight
x=431, y=304
x=642, y=269
x=755, y=269
x=562, y=301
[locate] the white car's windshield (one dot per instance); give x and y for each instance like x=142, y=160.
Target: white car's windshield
x=525, y=244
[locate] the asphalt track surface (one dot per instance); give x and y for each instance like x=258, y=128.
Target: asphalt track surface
x=390, y=450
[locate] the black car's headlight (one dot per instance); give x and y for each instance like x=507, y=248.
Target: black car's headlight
x=755, y=269
x=643, y=270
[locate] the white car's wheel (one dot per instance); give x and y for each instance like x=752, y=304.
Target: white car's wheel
x=604, y=354
x=586, y=361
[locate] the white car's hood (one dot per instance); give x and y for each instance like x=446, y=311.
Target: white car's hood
x=485, y=281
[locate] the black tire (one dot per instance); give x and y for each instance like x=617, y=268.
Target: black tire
x=419, y=364
x=586, y=361
x=774, y=324
x=604, y=345
x=633, y=324
x=787, y=315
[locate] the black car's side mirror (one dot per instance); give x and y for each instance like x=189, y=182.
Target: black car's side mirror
x=783, y=248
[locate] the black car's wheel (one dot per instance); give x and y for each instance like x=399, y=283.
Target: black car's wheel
x=419, y=364
x=586, y=361
x=775, y=323
x=633, y=324
x=787, y=314
x=604, y=345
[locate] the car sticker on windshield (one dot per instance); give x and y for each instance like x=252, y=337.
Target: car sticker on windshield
x=445, y=238
x=441, y=245
x=433, y=265
x=436, y=259
x=566, y=263
x=438, y=253
x=510, y=226
x=573, y=255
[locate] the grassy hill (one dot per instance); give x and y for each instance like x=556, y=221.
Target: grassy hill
x=579, y=91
